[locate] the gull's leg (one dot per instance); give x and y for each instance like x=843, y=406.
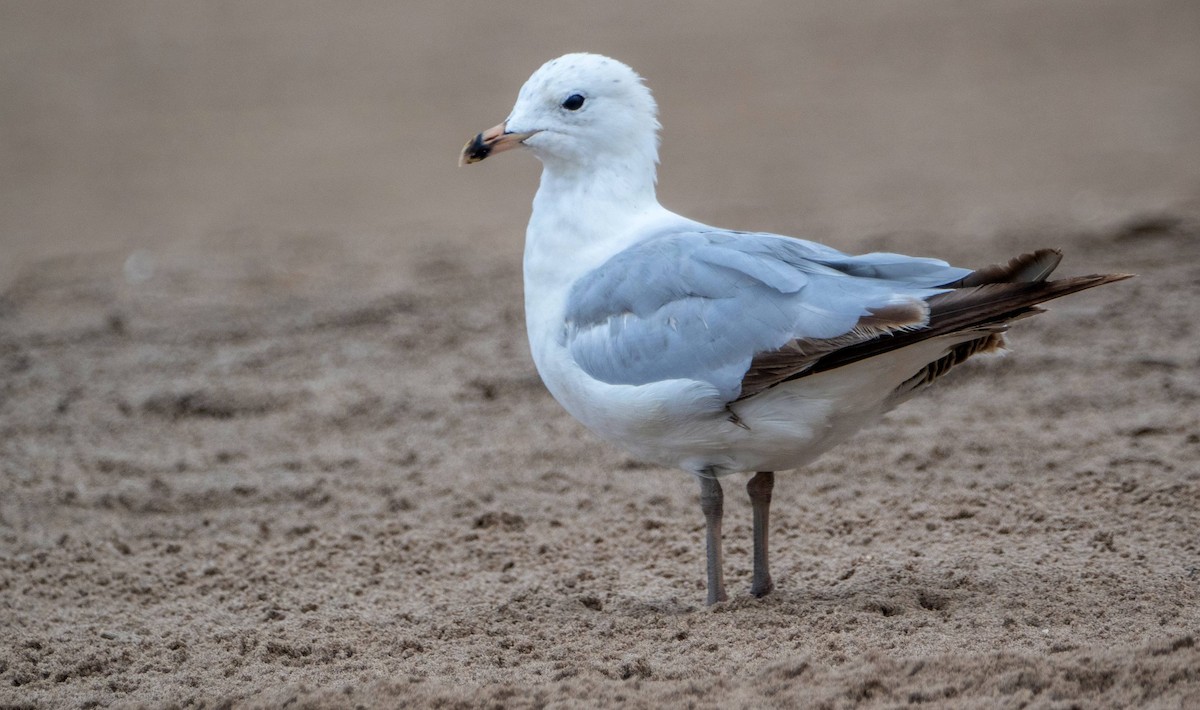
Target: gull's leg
x=712, y=502
x=759, y=487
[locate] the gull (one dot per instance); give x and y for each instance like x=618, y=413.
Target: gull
x=712, y=350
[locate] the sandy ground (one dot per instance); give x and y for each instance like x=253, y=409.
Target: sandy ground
x=270, y=435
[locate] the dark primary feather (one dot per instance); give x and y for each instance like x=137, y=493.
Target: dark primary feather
x=768, y=369
x=970, y=308
x=984, y=301
x=991, y=342
x=1027, y=268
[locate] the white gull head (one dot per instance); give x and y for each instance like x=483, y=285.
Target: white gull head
x=584, y=109
x=580, y=112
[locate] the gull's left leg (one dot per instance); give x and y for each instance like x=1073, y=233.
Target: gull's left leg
x=759, y=487
x=712, y=503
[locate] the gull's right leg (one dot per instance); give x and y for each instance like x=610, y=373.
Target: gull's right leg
x=759, y=489
x=712, y=503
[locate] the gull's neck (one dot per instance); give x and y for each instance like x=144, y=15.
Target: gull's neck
x=626, y=183
x=585, y=213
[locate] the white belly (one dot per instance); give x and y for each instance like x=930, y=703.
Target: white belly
x=684, y=423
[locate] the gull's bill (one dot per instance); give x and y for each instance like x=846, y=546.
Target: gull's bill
x=496, y=139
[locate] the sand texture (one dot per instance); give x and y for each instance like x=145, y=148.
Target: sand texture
x=270, y=434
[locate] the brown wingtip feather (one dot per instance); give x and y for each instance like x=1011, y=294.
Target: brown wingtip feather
x=1033, y=267
x=984, y=302
x=988, y=343
x=894, y=316
x=996, y=298
x=770, y=368
x=966, y=309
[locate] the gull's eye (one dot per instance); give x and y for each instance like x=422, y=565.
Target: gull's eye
x=574, y=102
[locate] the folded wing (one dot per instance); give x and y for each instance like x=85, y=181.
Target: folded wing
x=715, y=306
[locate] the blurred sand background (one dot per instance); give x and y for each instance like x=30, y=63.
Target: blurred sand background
x=269, y=431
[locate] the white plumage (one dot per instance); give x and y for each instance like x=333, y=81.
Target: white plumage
x=711, y=350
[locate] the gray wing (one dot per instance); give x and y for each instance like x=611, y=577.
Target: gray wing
x=702, y=304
